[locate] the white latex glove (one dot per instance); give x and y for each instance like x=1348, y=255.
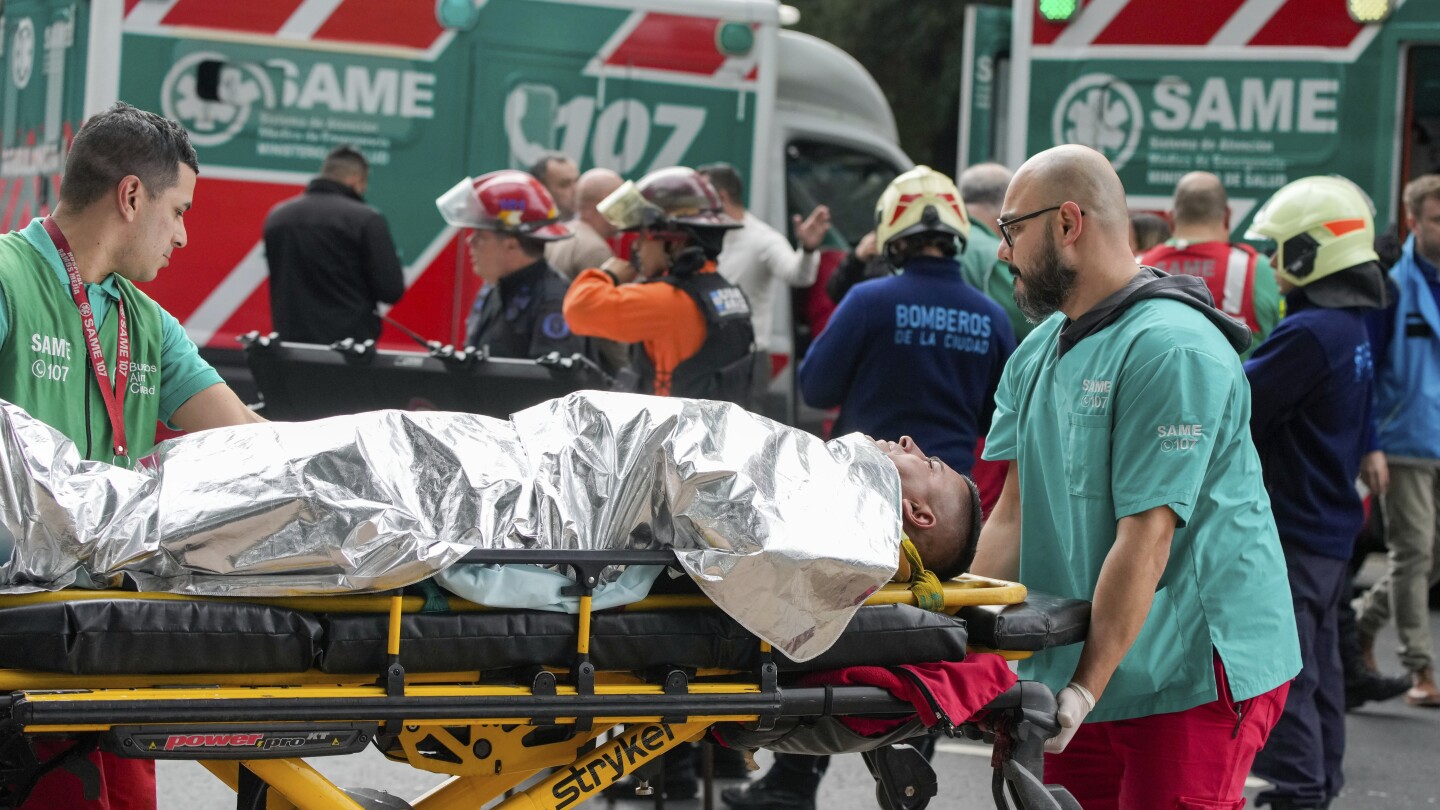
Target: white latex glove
x=1075, y=704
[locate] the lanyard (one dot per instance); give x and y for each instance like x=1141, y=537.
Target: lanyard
x=114, y=395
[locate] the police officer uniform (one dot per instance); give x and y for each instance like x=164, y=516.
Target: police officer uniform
x=521, y=316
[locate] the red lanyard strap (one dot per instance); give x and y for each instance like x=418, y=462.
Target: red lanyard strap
x=113, y=394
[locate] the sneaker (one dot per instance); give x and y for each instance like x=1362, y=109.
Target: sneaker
x=765, y=795
x=1423, y=691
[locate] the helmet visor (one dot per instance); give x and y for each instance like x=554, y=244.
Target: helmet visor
x=461, y=207
x=627, y=209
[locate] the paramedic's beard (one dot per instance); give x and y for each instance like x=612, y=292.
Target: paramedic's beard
x=1041, y=291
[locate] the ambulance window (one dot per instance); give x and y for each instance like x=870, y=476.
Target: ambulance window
x=845, y=179
x=1424, y=103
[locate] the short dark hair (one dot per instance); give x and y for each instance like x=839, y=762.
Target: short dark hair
x=531, y=247
x=903, y=248
x=1150, y=229
x=948, y=547
x=540, y=169
x=120, y=142
x=724, y=178
x=344, y=161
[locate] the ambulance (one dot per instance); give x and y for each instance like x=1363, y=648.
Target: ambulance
x=1259, y=92
x=432, y=92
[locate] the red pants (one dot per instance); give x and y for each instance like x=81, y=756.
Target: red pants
x=125, y=784
x=1192, y=760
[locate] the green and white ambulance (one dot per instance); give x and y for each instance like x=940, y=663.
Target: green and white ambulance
x=433, y=92
x=1260, y=92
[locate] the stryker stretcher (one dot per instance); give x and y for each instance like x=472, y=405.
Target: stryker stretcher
x=510, y=703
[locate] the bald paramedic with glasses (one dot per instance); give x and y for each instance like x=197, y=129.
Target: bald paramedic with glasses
x=1135, y=484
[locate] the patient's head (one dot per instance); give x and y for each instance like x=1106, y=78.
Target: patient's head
x=940, y=508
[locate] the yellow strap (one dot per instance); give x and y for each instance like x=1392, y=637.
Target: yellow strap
x=929, y=593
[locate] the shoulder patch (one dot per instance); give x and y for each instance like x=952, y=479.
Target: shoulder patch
x=553, y=326
x=729, y=301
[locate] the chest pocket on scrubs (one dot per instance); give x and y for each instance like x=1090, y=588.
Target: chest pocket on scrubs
x=1087, y=455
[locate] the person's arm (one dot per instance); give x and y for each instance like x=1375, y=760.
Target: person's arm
x=802, y=265
x=1380, y=325
x=1265, y=299
x=1282, y=371
x=629, y=313
x=213, y=407
x=386, y=276
x=851, y=271
x=828, y=370
x=1123, y=594
x=794, y=266
x=998, y=554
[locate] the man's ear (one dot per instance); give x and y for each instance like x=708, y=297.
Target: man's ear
x=127, y=196
x=916, y=514
x=1072, y=222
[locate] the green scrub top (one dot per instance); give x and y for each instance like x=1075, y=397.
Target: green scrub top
x=1153, y=410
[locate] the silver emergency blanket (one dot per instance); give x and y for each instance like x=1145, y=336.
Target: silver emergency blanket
x=785, y=533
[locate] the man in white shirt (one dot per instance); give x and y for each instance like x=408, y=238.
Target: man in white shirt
x=757, y=258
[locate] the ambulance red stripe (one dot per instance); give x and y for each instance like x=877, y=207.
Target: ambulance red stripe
x=671, y=42
x=1177, y=23
x=254, y=17
x=1306, y=22
x=376, y=21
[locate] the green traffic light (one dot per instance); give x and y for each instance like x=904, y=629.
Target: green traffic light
x=1059, y=10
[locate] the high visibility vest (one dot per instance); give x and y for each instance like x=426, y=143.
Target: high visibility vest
x=1228, y=270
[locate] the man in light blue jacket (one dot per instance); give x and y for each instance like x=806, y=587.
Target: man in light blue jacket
x=1406, y=341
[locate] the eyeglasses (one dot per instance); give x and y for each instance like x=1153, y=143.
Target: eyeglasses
x=1004, y=224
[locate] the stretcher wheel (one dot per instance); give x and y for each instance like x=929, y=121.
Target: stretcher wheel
x=908, y=774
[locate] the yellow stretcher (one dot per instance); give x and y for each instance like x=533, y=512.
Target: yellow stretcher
x=551, y=734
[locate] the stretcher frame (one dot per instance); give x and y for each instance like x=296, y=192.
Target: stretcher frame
x=496, y=741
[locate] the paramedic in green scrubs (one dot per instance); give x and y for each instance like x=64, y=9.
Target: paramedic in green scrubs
x=1134, y=484
x=85, y=351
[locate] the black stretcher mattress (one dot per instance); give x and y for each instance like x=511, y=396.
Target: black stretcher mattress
x=158, y=637
x=134, y=636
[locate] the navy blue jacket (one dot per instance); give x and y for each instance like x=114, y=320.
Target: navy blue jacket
x=1311, y=384
x=918, y=354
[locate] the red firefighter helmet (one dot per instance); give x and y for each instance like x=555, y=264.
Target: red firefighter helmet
x=507, y=201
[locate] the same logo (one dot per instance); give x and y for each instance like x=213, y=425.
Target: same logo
x=214, y=122
x=1102, y=112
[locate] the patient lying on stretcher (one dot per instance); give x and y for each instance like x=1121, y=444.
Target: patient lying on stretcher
x=786, y=533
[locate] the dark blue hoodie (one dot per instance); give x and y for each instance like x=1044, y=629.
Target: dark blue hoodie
x=918, y=354
x=1310, y=384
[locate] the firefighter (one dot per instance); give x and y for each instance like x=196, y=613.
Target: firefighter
x=1311, y=383
x=510, y=217
x=693, y=328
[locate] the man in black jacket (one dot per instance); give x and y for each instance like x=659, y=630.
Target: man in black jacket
x=331, y=257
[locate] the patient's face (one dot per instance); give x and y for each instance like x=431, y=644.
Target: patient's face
x=924, y=479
